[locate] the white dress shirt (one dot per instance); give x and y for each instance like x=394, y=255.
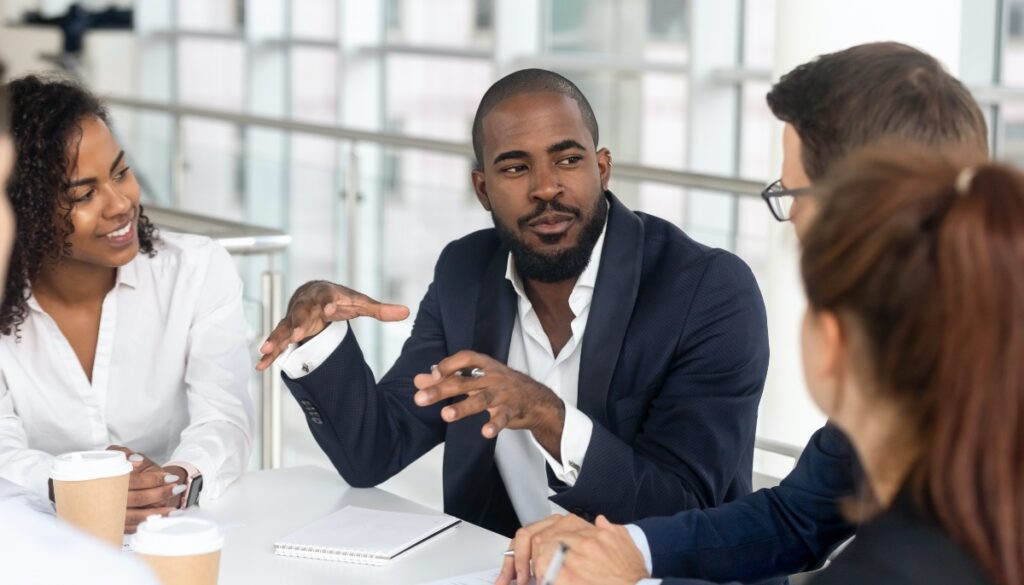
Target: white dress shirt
x=520, y=458
x=170, y=378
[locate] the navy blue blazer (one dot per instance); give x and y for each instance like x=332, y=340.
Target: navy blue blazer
x=787, y=529
x=673, y=363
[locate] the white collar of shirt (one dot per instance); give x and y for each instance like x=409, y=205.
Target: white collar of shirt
x=520, y=458
x=127, y=275
x=582, y=292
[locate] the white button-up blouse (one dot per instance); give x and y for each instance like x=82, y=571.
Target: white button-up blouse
x=170, y=377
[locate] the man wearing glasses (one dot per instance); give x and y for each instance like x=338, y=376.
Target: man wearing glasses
x=831, y=106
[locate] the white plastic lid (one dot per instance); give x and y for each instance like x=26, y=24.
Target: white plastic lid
x=177, y=537
x=86, y=465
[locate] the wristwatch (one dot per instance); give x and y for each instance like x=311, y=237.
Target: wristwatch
x=193, y=484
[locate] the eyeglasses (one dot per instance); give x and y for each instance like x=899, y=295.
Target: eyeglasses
x=780, y=199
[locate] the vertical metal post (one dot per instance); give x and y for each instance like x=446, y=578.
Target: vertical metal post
x=352, y=216
x=270, y=400
x=177, y=163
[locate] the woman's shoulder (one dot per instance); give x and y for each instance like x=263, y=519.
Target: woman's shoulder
x=176, y=244
x=902, y=547
x=181, y=257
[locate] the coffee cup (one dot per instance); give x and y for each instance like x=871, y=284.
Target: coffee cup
x=90, y=489
x=180, y=550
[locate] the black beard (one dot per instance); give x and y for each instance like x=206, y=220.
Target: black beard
x=559, y=266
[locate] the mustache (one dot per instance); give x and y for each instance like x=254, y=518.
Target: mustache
x=544, y=207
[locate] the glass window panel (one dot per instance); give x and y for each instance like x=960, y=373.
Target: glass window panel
x=315, y=19
x=450, y=23
x=314, y=85
x=756, y=134
x=663, y=114
x=211, y=179
x=667, y=20
x=313, y=181
x=484, y=15
x=211, y=72
x=436, y=97
x=436, y=205
x=566, y=25
x=1011, y=145
x=759, y=34
x=210, y=15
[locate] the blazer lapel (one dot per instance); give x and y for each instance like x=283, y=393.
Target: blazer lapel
x=615, y=294
x=469, y=457
x=495, y=310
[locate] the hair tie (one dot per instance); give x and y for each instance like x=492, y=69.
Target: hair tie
x=963, y=181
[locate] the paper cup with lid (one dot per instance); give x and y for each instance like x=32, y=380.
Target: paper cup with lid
x=180, y=550
x=90, y=489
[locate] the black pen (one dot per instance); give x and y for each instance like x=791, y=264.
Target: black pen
x=464, y=372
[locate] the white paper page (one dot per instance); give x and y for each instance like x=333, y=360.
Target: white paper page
x=376, y=531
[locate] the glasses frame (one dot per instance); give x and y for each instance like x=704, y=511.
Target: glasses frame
x=776, y=190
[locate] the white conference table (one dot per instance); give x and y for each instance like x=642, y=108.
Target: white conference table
x=263, y=506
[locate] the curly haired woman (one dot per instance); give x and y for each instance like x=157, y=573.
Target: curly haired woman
x=110, y=335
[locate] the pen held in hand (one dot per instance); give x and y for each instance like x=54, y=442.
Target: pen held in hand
x=556, y=564
x=464, y=372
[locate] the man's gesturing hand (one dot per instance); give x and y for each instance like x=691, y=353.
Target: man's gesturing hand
x=316, y=304
x=513, y=400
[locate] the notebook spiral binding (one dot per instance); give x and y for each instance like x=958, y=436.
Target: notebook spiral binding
x=327, y=553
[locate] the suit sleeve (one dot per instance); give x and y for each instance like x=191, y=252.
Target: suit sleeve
x=790, y=528
x=372, y=430
x=697, y=432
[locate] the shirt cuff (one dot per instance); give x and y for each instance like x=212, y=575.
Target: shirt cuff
x=640, y=540
x=576, y=433
x=299, y=360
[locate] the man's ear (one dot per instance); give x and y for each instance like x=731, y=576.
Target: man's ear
x=480, y=186
x=604, y=167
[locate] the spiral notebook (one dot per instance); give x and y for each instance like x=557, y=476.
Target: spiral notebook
x=361, y=535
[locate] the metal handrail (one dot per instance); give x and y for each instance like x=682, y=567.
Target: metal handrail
x=632, y=171
x=237, y=238
x=777, y=447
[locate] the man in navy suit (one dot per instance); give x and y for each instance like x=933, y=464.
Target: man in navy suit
x=831, y=106
x=578, y=356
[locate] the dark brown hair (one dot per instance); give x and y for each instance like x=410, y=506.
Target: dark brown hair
x=844, y=101
x=46, y=123
x=932, y=275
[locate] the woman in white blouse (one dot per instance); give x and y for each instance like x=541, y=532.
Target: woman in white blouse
x=113, y=336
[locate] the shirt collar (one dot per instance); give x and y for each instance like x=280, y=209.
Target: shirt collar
x=588, y=278
x=128, y=275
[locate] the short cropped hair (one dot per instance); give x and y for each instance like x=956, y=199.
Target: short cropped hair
x=843, y=101
x=528, y=81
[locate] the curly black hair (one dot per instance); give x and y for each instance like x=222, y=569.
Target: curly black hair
x=46, y=117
